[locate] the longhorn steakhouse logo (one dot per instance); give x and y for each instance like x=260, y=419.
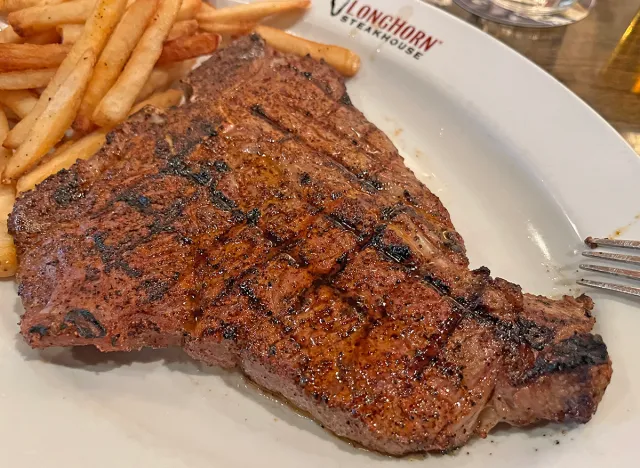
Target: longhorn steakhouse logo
x=391, y=29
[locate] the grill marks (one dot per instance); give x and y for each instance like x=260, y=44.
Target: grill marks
x=112, y=257
x=222, y=202
x=361, y=162
x=367, y=234
x=177, y=166
x=278, y=227
x=136, y=201
x=579, y=351
x=146, y=195
x=373, y=236
x=282, y=248
x=258, y=111
x=353, y=155
x=85, y=323
x=396, y=252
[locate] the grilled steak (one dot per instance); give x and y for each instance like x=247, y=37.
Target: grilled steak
x=267, y=225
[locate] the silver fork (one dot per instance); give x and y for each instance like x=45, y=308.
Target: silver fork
x=615, y=271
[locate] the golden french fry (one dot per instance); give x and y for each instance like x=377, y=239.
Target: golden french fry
x=9, y=36
x=187, y=47
x=206, y=7
x=54, y=121
x=189, y=9
x=14, y=57
x=4, y=125
x=40, y=18
x=20, y=102
x=118, y=101
x=10, y=116
x=26, y=79
x=163, y=99
x=251, y=12
x=50, y=36
x=162, y=77
x=70, y=33
x=182, y=28
x=83, y=148
x=57, y=150
x=113, y=58
x=159, y=79
x=4, y=152
x=8, y=257
x=97, y=30
x=344, y=60
x=227, y=28
x=7, y=6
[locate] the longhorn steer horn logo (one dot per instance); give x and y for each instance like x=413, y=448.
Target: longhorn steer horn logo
x=335, y=12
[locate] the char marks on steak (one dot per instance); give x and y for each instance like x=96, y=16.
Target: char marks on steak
x=267, y=225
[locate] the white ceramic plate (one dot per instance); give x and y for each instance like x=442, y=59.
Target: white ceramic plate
x=526, y=169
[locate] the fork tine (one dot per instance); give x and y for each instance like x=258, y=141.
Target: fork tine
x=632, y=274
x=632, y=259
x=611, y=287
x=626, y=244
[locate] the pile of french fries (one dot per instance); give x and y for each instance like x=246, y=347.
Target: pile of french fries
x=72, y=70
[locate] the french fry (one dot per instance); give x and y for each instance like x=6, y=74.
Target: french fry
x=50, y=36
x=70, y=33
x=182, y=28
x=162, y=100
x=54, y=121
x=20, y=102
x=251, y=12
x=118, y=101
x=10, y=116
x=161, y=77
x=26, y=79
x=7, y=6
x=4, y=153
x=14, y=57
x=9, y=36
x=40, y=18
x=72, y=151
x=227, y=28
x=205, y=8
x=189, y=9
x=343, y=60
x=55, y=151
x=113, y=58
x=8, y=257
x=4, y=126
x=187, y=47
x=103, y=20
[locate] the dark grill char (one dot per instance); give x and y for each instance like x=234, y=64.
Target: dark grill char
x=268, y=225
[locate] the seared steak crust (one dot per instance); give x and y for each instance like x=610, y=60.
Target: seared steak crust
x=266, y=224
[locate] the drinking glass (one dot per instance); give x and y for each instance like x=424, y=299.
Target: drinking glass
x=532, y=13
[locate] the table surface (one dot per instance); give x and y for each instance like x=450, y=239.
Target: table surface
x=598, y=58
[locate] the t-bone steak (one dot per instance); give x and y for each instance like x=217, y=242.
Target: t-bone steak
x=267, y=225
